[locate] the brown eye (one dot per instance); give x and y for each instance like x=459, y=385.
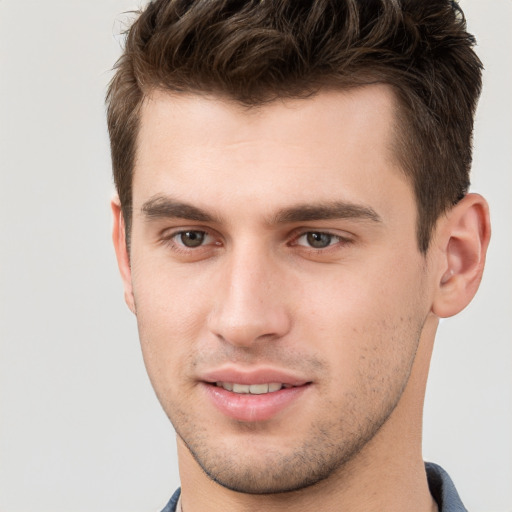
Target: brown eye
x=318, y=240
x=191, y=238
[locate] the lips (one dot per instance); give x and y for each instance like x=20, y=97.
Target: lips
x=252, y=395
x=253, y=376
x=253, y=389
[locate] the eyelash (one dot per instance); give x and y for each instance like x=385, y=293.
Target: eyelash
x=170, y=241
x=340, y=241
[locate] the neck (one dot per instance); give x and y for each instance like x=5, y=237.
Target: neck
x=387, y=474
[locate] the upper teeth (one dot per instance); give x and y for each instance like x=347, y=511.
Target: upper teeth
x=253, y=389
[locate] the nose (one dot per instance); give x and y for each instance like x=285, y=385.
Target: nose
x=250, y=303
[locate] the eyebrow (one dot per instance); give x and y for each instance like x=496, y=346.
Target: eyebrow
x=326, y=211
x=161, y=207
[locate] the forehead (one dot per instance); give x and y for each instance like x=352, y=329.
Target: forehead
x=334, y=145
x=209, y=119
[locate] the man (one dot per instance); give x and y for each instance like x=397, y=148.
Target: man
x=292, y=221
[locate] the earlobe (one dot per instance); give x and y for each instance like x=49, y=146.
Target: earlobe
x=463, y=238
x=122, y=255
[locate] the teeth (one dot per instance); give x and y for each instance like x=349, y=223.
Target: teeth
x=258, y=389
x=241, y=388
x=225, y=385
x=253, y=389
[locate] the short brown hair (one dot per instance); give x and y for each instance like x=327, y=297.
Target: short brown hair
x=255, y=51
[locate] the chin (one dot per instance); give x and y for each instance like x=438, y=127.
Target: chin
x=263, y=480
x=273, y=471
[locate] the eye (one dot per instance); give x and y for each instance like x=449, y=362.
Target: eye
x=190, y=244
x=191, y=238
x=317, y=239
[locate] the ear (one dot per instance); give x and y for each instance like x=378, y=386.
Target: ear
x=122, y=254
x=462, y=239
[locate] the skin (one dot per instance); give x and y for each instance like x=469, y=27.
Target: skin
x=355, y=319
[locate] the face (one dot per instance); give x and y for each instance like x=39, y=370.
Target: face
x=279, y=291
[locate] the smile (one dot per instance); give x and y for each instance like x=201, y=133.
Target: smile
x=253, y=389
x=253, y=402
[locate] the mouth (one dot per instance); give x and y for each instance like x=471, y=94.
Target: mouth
x=253, y=389
x=255, y=399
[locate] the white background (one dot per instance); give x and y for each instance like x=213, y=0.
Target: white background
x=80, y=428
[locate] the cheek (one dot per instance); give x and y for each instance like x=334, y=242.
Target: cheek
x=167, y=295
x=367, y=325
x=171, y=308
